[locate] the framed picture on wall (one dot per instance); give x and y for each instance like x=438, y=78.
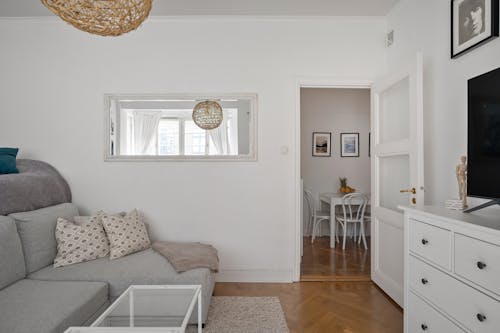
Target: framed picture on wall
x=473, y=22
x=349, y=144
x=322, y=144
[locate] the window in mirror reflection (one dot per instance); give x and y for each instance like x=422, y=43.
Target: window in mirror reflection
x=155, y=127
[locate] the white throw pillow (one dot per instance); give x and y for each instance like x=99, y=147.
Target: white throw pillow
x=80, y=242
x=126, y=234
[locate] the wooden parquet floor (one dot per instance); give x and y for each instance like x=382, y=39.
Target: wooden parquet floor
x=321, y=263
x=327, y=307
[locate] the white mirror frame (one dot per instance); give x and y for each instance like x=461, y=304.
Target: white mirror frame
x=252, y=156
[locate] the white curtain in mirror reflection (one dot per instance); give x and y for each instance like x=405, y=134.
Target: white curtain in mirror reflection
x=175, y=133
x=144, y=126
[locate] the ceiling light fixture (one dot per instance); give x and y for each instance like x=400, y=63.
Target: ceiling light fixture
x=208, y=114
x=101, y=17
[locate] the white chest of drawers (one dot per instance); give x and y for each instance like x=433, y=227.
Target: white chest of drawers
x=452, y=272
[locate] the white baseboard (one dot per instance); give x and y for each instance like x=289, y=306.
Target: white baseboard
x=253, y=275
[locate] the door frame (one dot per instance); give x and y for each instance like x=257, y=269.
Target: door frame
x=310, y=82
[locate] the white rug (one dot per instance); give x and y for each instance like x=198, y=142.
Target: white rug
x=228, y=314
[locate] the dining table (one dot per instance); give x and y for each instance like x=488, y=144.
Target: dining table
x=335, y=199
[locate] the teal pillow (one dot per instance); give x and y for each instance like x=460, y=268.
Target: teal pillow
x=8, y=160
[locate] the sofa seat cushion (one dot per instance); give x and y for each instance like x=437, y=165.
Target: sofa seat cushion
x=145, y=267
x=49, y=306
x=37, y=231
x=12, y=266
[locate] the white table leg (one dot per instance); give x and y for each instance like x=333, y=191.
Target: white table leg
x=332, y=225
x=199, y=312
x=131, y=308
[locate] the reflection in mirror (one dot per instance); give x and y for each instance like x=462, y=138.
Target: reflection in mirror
x=161, y=127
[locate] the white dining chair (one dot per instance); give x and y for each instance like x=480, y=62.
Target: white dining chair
x=310, y=210
x=353, y=213
x=315, y=216
x=367, y=220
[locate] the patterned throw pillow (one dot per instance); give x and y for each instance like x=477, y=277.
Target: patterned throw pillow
x=80, y=242
x=79, y=220
x=126, y=234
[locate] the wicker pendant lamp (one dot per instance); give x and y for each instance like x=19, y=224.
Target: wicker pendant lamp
x=101, y=17
x=207, y=115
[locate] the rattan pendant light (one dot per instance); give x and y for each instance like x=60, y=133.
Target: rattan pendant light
x=208, y=114
x=101, y=17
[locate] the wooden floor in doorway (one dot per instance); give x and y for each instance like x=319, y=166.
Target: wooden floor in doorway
x=327, y=307
x=321, y=263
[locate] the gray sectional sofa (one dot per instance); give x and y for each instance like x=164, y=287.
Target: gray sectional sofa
x=36, y=297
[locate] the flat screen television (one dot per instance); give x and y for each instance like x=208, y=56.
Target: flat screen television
x=483, y=172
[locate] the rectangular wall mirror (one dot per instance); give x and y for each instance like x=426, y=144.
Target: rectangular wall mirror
x=161, y=127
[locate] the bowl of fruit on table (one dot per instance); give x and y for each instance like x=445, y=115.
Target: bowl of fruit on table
x=344, y=189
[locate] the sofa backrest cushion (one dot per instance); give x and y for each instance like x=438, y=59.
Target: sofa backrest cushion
x=37, y=232
x=12, y=266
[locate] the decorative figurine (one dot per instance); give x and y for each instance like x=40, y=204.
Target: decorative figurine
x=461, y=172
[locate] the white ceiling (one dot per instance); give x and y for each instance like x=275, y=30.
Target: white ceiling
x=29, y=8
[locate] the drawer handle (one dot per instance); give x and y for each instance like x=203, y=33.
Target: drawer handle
x=425, y=241
x=424, y=281
x=481, y=317
x=481, y=265
x=424, y=327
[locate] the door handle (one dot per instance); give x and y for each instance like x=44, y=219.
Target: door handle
x=412, y=191
x=481, y=265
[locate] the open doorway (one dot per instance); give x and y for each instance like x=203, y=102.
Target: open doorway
x=335, y=160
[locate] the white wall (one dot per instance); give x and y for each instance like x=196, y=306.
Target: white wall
x=336, y=111
x=425, y=25
x=52, y=82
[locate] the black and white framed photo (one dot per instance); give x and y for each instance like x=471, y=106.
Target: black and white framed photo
x=322, y=144
x=473, y=22
x=349, y=143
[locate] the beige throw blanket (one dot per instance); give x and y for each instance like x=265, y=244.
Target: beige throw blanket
x=186, y=256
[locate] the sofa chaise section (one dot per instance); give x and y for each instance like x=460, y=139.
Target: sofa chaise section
x=50, y=306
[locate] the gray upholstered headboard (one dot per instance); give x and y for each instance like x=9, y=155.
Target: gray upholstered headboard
x=37, y=185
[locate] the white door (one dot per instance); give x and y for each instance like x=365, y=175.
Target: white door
x=397, y=169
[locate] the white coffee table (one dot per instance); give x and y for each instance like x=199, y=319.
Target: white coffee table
x=148, y=309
